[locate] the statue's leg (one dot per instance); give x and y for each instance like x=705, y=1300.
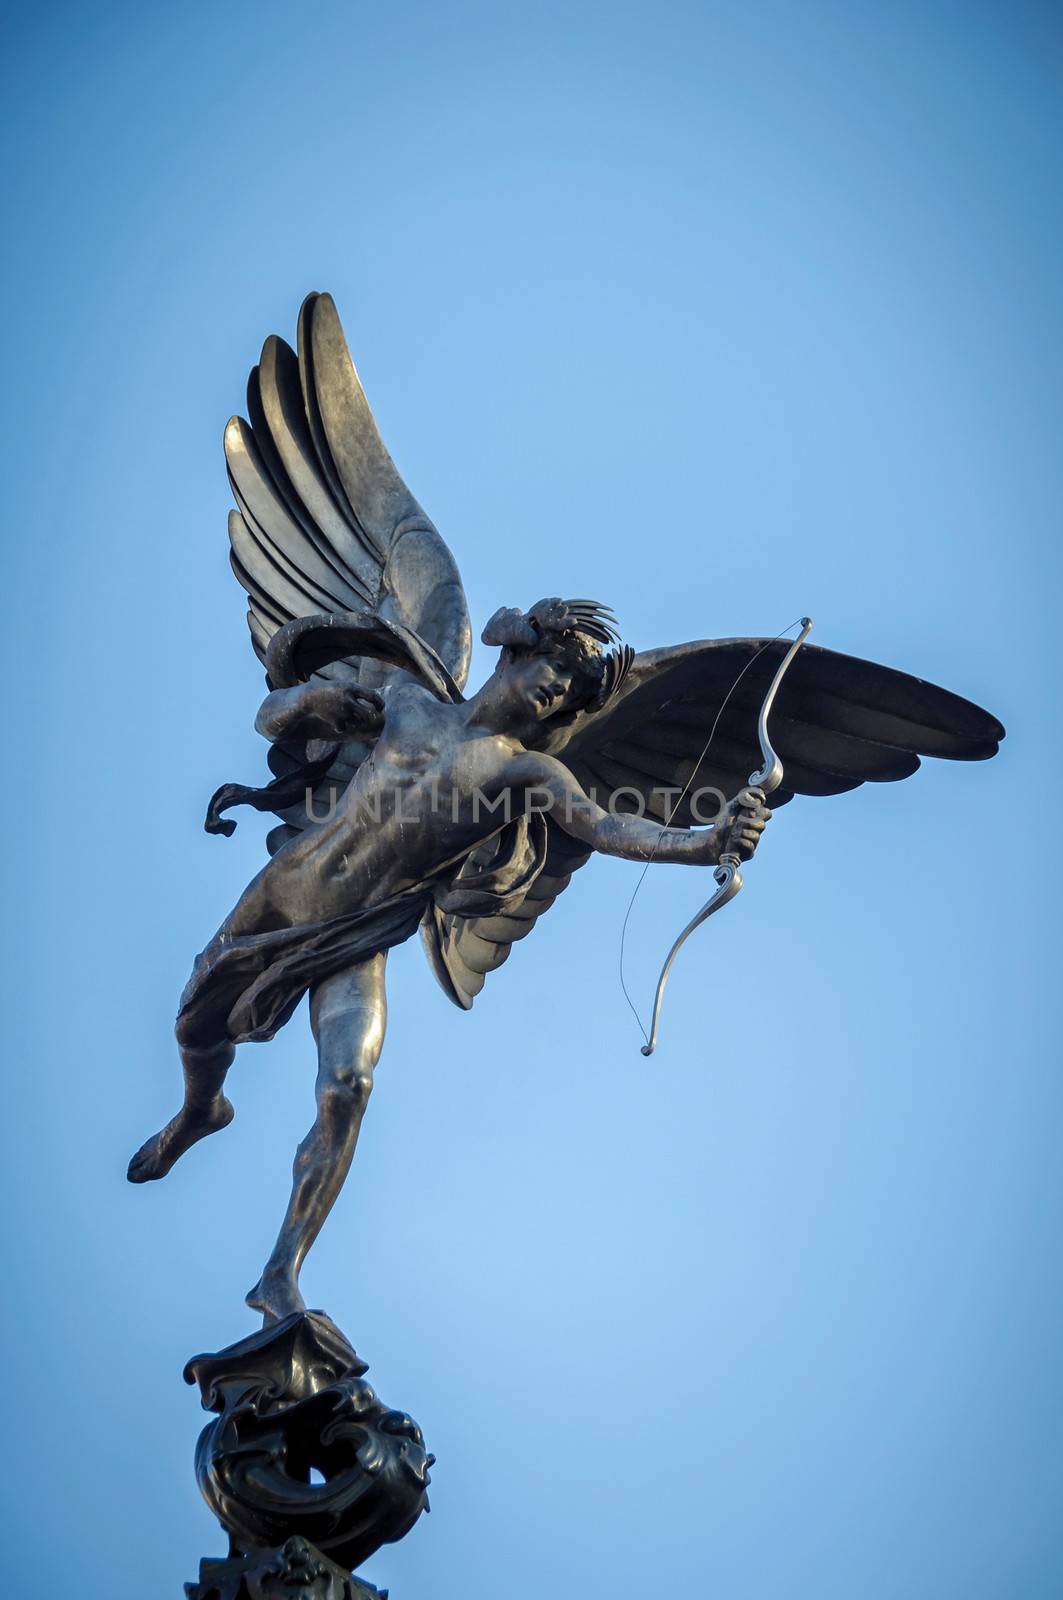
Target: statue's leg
x=348, y=1013
x=205, y=1063
x=207, y=1051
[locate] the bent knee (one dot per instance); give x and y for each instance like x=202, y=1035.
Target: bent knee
x=349, y=1046
x=346, y=1084
x=200, y=1037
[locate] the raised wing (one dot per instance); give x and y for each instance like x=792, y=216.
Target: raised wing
x=325, y=523
x=837, y=722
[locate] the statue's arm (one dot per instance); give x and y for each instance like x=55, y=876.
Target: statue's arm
x=320, y=711
x=551, y=787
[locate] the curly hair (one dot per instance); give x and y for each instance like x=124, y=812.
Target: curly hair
x=574, y=633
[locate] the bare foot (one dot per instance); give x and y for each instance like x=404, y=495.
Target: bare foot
x=276, y=1295
x=154, y=1159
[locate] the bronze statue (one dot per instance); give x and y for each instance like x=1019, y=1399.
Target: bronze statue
x=404, y=805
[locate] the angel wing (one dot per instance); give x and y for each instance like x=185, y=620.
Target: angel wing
x=462, y=950
x=325, y=523
x=837, y=722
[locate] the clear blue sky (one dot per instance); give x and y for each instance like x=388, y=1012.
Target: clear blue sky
x=724, y=313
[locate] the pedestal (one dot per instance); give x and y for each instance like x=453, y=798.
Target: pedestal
x=307, y=1471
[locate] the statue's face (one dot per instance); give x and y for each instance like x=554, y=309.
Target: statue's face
x=534, y=687
x=298, y=1569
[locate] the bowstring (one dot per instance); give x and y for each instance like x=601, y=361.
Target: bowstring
x=668, y=820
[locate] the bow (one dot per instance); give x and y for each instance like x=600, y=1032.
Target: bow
x=728, y=875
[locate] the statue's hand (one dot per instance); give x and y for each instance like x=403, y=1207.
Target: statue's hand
x=343, y=708
x=743, y=823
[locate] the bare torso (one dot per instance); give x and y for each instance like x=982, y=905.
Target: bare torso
x=432, y=788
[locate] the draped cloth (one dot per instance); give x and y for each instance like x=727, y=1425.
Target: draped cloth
x=246, y=986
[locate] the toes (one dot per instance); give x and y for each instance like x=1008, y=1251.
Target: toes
x=141, y=1170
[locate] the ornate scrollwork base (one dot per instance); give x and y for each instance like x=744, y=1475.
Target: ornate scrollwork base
x=308, y=1472
x=296, y=1569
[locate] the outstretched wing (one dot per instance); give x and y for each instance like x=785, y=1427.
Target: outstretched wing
x=324, y=521
x=837, y=722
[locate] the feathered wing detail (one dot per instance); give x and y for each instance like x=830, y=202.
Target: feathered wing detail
x=463, y=949
x=837, y=722
x=324, y=523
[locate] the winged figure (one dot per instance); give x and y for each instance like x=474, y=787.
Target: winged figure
x=404, y=805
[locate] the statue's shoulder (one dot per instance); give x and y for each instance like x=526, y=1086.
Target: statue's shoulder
x=403, y=695
x=411, y=710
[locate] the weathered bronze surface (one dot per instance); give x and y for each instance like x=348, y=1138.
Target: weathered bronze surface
x=294, y=1571
x=404, y=805
x=292, y=1402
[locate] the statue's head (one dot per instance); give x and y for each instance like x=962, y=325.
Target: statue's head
x=296, y=1570
x=555, y=664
